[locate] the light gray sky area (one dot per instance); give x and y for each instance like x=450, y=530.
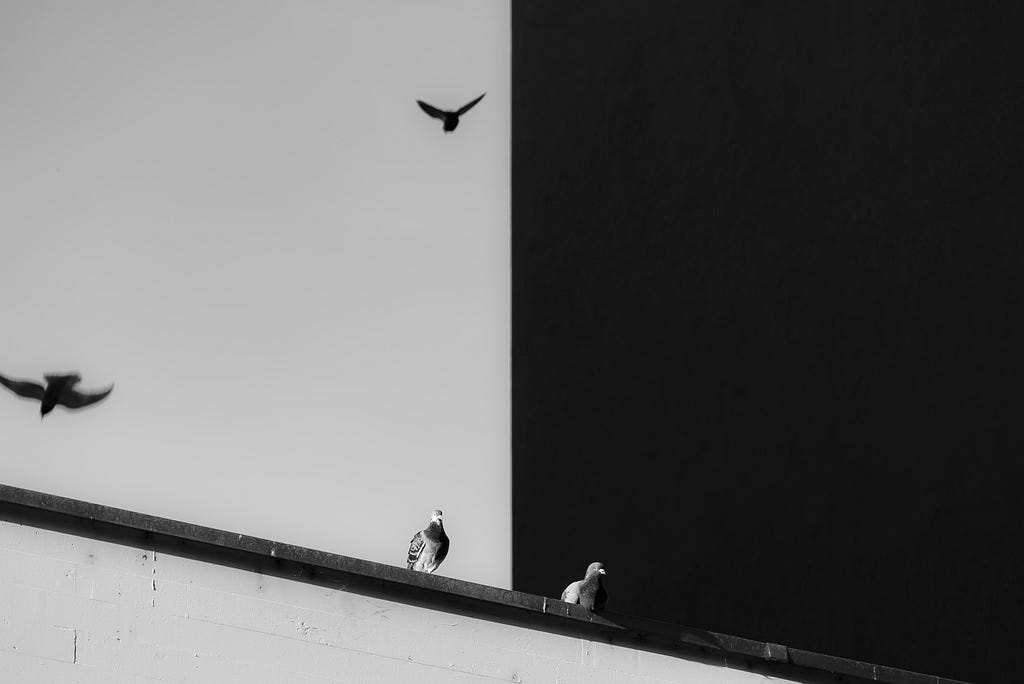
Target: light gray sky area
x=299, y=285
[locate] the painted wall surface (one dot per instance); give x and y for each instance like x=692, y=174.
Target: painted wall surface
x=768, y=314
x=76, y=610
x=295, y=280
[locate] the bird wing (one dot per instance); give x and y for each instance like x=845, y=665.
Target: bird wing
x=431, y=110
x=466, y=107
x=572, y=593
x=416, y=545
x=72, y=398
x=23, y=388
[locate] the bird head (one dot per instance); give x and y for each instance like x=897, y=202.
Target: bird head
x=435, y=517
x=595, y=569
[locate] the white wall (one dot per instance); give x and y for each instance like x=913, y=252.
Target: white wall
x=297, y=283
x=76, y=610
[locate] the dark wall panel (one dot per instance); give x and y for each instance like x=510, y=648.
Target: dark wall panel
x=768, y=318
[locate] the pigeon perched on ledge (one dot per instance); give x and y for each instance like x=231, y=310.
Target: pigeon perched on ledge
x=428, y=547
x=588, y=592
x=60, y=389
x=450, y=119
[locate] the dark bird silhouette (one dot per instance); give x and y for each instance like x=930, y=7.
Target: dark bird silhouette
x=589, y=592
x=450, y=119
x=60, y=389
x=429, y=546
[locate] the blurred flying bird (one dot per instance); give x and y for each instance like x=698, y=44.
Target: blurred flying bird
x=588, y=592
x=429, y=546
x=60, y=389
x=450, y=119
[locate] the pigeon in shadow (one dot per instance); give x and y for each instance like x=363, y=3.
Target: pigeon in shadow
x=450, y=119
x=429, y=546
x=588, y=592
x=60, y=389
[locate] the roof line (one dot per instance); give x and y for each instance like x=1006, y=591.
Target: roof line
x=106, y=523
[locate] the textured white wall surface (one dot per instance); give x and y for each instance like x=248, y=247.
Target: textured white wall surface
x=75, y=610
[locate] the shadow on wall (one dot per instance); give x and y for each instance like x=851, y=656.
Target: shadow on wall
x=767, y=320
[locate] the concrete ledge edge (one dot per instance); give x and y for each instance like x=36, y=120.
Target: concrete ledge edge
x=39, y=509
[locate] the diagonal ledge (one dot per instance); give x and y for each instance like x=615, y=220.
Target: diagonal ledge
x=298, y=563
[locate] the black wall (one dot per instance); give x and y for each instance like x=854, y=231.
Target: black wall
x=768, y=318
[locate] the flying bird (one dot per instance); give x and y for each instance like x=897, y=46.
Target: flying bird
x=428, y=547
x=450, y=119
x=60, y=389
x=588, y=592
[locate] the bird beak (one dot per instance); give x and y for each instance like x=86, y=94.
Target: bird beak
x=602, y=571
